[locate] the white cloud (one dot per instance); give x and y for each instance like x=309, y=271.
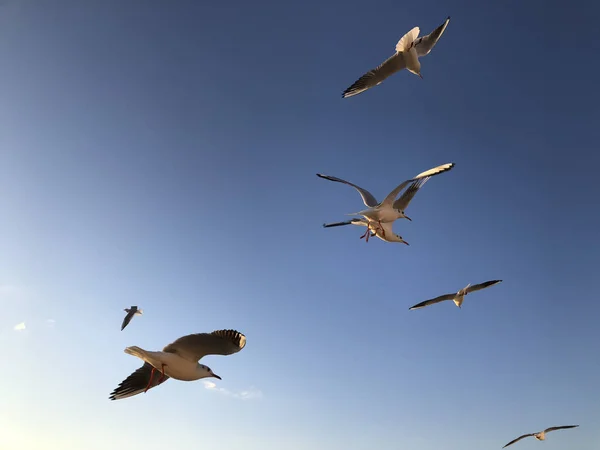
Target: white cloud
x=50, y=322
x=19, y=326
x=247, y=394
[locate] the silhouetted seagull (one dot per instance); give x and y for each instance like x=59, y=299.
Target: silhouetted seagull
x=178, y=360
x=130, y=313
x=458, y=297
x=383, y=231
x=391, y=209
x=541, y=436
x=408, y=51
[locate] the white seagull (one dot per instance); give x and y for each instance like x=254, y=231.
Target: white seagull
x=383, y=231
x=178, y=360
x=408, y=51
x=458, y=297
x=390, y=209
x=541, y=436
x=130, y=313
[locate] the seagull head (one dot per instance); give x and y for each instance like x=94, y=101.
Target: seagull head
x=402, y=215
x=207, y=372
x=401, y=240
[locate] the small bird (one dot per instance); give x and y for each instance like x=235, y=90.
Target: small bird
x=391, y=209
x=408, y=51
x=130, y=313
x=383, y=231
x=458, y=297
x=541, y=436
x=178, y=360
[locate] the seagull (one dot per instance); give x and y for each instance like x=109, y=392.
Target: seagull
x=383, y=231
x=408, y=51
x=458, y=297
x=541, y=436
x=390, y=209
x=130, y=313
x=178, y=360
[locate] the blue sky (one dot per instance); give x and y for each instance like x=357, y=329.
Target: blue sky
x=163, y=154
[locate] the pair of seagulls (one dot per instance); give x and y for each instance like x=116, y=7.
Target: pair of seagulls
x=379, y=216
x=408, y=51
x=178, y=360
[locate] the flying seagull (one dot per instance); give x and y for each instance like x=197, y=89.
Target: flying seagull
x=391, y=209
x=541, y=436
x=130, y=313
x=383, y=231
x=178, y=360
x=408, y=51
x=458, y=297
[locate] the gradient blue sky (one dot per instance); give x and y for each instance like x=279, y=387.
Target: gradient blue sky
x=163, y=154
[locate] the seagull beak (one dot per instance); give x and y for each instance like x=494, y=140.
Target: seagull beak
x=406, y=217
x=217, y=376
x=404, y=242
x=421, y=76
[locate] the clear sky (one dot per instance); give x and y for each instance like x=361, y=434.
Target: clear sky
x=163, y=154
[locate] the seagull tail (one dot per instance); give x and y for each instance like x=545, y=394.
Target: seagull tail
x=136, y=351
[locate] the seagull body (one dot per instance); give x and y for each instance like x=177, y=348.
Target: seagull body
x=408, y=51
x=178, y=360
x=540, y=436
x=391, y=209
x=130, y=313
x=457, y=297
x=383, y=231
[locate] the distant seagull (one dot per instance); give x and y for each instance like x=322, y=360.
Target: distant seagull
x=383, y=231
x=178, y=360
x=458, y=297
x=541, y=436
x=130, y=313
x=390, y=209
x=408, y=51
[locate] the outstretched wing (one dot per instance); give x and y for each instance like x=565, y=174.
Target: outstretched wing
x=478, y=287
x=194, y=347
x=433, y=301
x=367, y=198
x=374, y=77
x=424, y=44
x=518, y=439
x=127, y=318
x=358, y=222
x=136, y=382
x=407, y=196
x=548, y=430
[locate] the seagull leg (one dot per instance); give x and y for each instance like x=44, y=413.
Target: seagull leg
x=366, y=233
x=382, y=230
x=150, y=380
x=162, y=377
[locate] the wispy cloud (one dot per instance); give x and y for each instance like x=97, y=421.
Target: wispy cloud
x=19, y=326
x=248, y=394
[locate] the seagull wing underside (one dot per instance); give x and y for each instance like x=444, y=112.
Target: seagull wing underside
x=424, y=44
x=478, y=287
x=194, y=347
x=373, y=77
x=518, y=439
x=136, y=383
x=433, y=301
x=367, y=198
